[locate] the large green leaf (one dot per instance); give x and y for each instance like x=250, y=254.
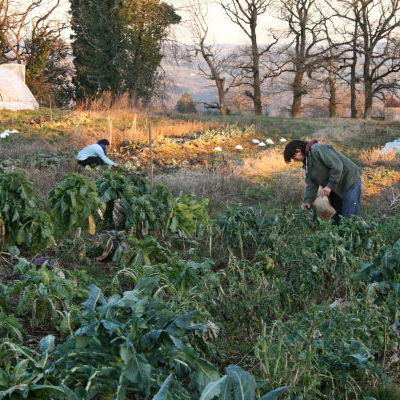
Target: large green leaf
x=237, y=384
x=162, y=394
x=47, y=344
x=203, y=371
x=95, y=296
x=214, y=389
x=276, y=393
x=242, y=382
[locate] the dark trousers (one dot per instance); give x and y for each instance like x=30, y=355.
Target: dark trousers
x=91, y=161
x=348, y=205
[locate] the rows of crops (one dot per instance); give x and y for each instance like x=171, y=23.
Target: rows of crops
x=143, y=295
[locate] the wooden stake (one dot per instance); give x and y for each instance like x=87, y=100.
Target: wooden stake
x=51, y=110
x=151, y=156
x=110, y=130
x=133, y=128
x=77, y=126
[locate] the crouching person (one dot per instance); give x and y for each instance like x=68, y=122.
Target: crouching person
x=324, y=166
x=95, y=154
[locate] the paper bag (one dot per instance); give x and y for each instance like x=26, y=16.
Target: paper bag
x=324, y=208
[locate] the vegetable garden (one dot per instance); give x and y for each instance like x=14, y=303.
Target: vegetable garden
x=115, y=289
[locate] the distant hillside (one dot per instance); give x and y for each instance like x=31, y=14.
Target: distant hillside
x=186, y=78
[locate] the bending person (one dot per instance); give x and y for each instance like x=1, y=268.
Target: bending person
x=95, y=154
x=329, y=168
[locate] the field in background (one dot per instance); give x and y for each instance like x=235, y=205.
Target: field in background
x=184, y=155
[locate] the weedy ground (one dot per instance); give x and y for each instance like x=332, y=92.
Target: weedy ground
x=184, y=155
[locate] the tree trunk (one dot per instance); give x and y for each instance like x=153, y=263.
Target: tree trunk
x=353, y=93
x=297, y=93
x=256, y=66
x=220, y=82
x=367, y=87
x=368, y=99
x=332, y=90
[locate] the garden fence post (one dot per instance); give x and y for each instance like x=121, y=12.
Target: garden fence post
x=110, y=129
x=151, y=156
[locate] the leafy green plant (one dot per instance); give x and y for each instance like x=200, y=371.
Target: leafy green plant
x=326, y=351
x=244, y=228
x=382, y=276
x=130, y=345
x=10, y=328
x=187, y=274
x=113, y=185
x=37, y=233
x=163, y=204
x=149, y=212
x=25, y=373
x=138, y=252
x=188, y=215
x=237, y=384
x=141, y=216
x=21, y=220
x=75, y=203
x=42, y=293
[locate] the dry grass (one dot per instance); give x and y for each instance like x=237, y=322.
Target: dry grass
x=120, y=127
x=233, y=181
x=386, y=202
x=23, y=150
x=265, y=164
x=45, y=179
x=374, y=157
x=287, y=188
x=221, y=185
x=341, y=131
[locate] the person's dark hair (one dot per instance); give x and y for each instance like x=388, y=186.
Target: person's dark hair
x=291, y=148
x=104, y=142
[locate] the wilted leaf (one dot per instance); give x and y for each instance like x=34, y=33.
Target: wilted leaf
x=91, y=225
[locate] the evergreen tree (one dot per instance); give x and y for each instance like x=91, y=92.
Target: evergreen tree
x=96, y=47
x=117, y=45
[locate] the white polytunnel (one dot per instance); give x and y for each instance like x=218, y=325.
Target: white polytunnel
x=14, y=94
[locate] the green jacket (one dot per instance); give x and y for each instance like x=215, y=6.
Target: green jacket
x=326, y=166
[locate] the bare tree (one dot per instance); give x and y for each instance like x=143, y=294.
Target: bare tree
x=372, y=27
x=245, y=14
x=308, y=45
x=217, y=65
x=31, y=34
x=28, y=23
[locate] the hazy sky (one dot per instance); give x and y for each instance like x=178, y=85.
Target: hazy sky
x=221, y=28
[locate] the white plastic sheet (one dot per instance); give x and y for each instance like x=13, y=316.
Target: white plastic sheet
x=391, y=146
x=14, y=94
